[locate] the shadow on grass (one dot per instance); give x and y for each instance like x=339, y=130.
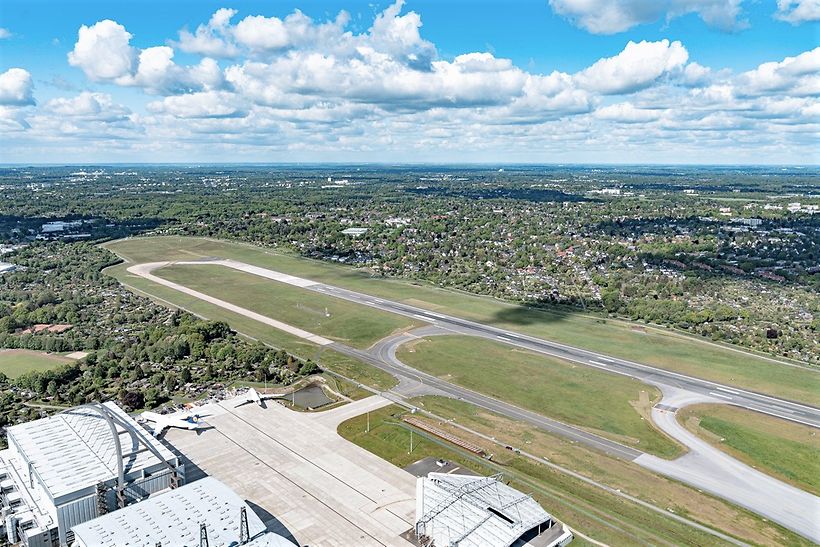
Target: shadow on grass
x=540, y=312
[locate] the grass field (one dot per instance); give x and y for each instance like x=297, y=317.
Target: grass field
x=14, y=362
x=786, y=450
x=659, y=347
x=333, y=318
x=613, y=406
x=600, y=515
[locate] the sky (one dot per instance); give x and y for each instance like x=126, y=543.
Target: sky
x=415, y=81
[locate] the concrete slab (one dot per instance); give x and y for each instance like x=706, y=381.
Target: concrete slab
x=321, y=488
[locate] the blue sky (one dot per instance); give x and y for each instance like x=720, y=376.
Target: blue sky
x=623, y=81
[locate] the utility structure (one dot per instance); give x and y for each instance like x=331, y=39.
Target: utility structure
x=74, y=466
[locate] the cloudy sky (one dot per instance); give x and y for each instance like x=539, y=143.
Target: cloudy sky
x=552, y=81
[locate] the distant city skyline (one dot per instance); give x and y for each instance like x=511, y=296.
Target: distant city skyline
x=552, y=82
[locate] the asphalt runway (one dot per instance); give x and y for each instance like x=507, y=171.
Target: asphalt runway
x=781, y=408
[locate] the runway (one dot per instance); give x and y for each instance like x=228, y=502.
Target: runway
x=704, y=467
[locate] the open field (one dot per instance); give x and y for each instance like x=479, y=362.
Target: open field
x=615, y=473
x=14, y=362
x=603, y=516
x=610, y=405
x=330, y=317
x=659, y=347
x=785, y=450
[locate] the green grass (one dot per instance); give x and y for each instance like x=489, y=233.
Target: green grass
x=15, y=362
x=658, y=347
x=333, y=318
x=605, y=403
x=601, y=515
x=786, y=450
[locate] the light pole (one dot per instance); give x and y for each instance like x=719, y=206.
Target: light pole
x=368, y=422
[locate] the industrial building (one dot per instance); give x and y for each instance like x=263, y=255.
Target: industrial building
x=205, y=513
x=77, y=465
x=471, y=511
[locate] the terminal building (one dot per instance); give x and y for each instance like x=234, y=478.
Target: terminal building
x=469, y=511
x=77, y=465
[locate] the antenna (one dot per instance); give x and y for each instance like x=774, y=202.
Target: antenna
x=203, y=535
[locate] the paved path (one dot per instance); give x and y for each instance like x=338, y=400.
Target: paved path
x=704, y=467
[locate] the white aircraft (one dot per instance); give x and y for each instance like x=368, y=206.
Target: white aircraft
x=161, y=422
x=252, y=396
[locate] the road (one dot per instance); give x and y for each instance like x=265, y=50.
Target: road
x=703, y=467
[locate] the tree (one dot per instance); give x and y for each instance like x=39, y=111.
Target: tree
x=308, y=368
x=133, y=400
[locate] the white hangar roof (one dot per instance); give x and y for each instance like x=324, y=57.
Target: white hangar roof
x=473, y=511
x=75, y=449
x=174, y=518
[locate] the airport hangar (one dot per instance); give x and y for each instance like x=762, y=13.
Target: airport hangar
x=84, y=476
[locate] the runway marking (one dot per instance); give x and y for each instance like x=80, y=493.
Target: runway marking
x=721, y=395
x=436, y=315
x=789, y=418
x=608, y=360
x=424, y=317
x=598, y=364
x=727, y=390
x=503, y=338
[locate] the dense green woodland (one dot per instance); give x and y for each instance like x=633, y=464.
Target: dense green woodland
x=718, y=252
x=140, y=353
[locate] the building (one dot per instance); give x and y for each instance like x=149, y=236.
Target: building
x=202, y=512
x=74, y=466
x=6, y=267
x=355, y=232
x=471, y=511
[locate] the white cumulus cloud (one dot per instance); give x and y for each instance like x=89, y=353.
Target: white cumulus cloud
x=90, y=106
x=16, y=88
x=612, y=16
x=634, y=68
x=103, y=51
x=798, y=11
